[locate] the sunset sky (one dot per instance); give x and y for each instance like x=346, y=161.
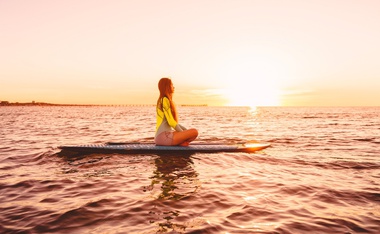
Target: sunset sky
x=217, y=52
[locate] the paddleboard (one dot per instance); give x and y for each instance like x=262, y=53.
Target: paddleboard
x=139, y=148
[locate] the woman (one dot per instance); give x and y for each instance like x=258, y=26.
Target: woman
x=168, y=130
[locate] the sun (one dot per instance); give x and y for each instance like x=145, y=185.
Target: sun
x=253, y=86
x=255, y=77
x=253, y=96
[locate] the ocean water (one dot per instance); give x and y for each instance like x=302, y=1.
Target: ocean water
x=320, y=175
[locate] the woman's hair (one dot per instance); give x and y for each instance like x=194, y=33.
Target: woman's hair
x=164, y=85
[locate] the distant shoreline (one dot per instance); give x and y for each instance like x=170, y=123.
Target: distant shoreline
x=6, y=103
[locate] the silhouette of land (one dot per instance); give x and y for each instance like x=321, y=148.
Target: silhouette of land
x=33, y=103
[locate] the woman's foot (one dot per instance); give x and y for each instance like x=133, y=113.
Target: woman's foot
x=186, y=143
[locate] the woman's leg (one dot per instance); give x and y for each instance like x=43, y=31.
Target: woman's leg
x=185, y=137
x=165, y=138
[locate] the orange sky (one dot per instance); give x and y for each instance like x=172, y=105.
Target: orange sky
x=217, y=52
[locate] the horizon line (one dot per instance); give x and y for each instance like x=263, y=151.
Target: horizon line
x=33, y=103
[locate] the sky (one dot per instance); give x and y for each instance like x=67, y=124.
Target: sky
x=217, y=52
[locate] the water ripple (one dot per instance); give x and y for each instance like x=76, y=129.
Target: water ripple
x=321, y=174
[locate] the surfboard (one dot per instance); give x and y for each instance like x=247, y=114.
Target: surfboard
x=143, y=148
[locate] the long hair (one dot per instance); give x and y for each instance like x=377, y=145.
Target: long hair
x=164, y=85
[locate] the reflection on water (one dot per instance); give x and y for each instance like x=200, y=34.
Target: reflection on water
x=174, y=178
x=320, y=176
x=173, y=182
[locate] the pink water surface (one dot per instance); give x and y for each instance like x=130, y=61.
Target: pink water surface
x=321, y=174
